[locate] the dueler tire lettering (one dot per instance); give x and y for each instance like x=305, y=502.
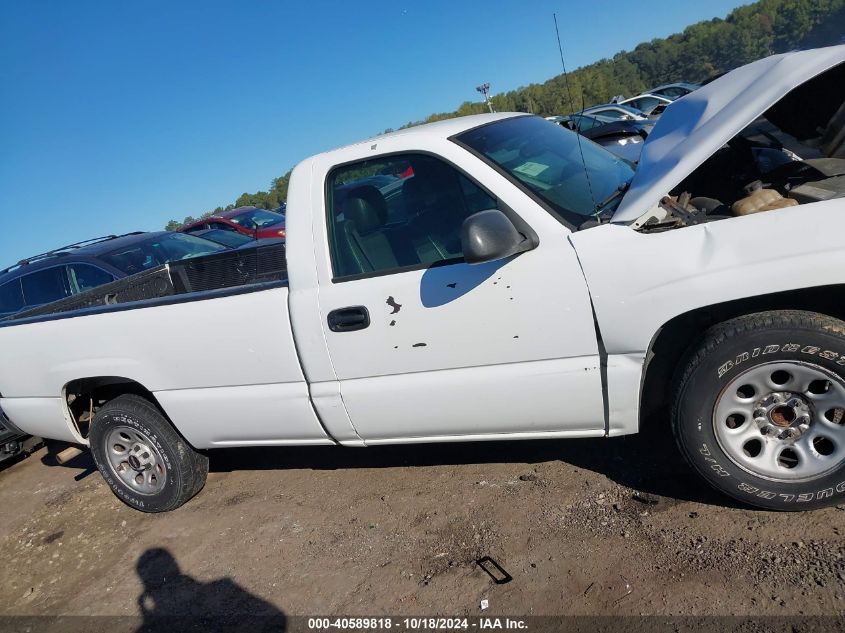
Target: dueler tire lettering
x=728, y=350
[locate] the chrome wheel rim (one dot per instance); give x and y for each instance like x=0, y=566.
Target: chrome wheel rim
x=783, y=421
x=134, y=460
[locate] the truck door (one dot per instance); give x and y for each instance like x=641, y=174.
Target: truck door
x=428, y=347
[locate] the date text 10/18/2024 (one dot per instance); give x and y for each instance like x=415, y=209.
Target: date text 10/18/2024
x=417, y=624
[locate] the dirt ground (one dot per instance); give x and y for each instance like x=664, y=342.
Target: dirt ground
x=612, y=526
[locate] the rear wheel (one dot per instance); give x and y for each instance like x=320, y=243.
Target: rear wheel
x=759, y=410
x=142, y=458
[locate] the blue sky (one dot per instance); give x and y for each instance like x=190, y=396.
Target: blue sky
x=117, y=116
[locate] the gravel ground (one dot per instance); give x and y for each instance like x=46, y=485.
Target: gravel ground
x=612, y=526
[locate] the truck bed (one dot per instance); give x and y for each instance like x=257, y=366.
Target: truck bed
x=222, y=375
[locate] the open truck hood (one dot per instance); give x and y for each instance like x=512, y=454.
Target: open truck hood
x=695, y=126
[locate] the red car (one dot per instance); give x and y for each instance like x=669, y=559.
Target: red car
x=247, y=220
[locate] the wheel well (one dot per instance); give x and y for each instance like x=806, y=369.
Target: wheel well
x=85, y=396
x=675, y=338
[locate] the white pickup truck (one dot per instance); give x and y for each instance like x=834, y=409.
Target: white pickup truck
x=498, y=277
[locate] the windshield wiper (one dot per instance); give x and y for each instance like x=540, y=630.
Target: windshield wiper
x=621, y=189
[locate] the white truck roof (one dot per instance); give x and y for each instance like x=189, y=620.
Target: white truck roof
x=438, y=129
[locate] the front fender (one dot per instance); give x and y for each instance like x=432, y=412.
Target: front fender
x=639, y=282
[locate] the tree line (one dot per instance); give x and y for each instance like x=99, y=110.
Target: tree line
x=703, y=50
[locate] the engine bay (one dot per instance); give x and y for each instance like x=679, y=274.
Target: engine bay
x=794, y=154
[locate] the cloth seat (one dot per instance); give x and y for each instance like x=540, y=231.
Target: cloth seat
x=363, y=245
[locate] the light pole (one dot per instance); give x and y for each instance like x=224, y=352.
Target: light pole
x=485, y=90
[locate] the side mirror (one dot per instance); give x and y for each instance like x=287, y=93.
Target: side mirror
x=489, y=235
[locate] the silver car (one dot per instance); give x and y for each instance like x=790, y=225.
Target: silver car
x=616, y=111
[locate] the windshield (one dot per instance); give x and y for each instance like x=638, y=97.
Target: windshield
x=260, y=217
x=227, y=238
x=168, y=247
x=546, y=160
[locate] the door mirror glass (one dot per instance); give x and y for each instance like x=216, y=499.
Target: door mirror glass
x=489, y=235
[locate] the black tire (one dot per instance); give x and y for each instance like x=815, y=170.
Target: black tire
x=185, y=468
x=729, y=351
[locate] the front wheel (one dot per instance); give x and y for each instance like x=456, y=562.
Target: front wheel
x=142, y=457
x=759, y=410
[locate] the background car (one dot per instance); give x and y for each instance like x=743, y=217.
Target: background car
x=14, y=442
x=250, y=221
x=649, y=104
x=73, y=269
x=616, y=112
x=623, y=138
x=673, y=91
x=233, y=239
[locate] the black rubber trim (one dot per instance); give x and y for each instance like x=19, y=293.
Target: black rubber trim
x=150, y=303
x=399, y=269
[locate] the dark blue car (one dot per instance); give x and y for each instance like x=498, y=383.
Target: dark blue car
x=73, y=269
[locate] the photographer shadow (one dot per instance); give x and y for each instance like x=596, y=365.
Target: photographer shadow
x=174, y=601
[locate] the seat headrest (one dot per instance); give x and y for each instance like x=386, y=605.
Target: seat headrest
x=366, y=207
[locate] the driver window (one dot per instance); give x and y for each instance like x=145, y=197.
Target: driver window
x=398, y=212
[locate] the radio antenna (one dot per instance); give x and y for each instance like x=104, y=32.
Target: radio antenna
x=572, y=103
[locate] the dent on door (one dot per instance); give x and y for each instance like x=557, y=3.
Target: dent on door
x=453, y=350
x=469, y=352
